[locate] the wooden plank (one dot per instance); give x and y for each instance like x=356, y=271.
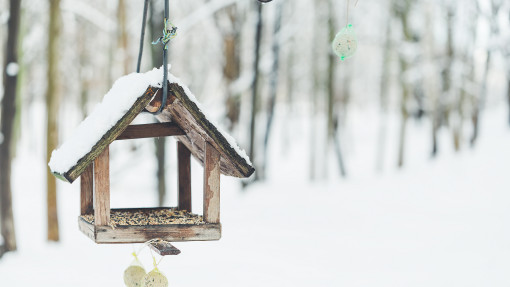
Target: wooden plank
x=102, y=188
x=143, y=233
x=87, y=190
x=184, y=161
x=172, y=233
x=74, y=172
x=86, y=228
x=185, y=112
x=211, y=184
x=164, y=248
x=151, y=131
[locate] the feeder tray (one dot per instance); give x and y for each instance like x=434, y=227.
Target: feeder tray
x=139, y=225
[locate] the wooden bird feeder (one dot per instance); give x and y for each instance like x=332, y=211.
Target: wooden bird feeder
x=197, y=136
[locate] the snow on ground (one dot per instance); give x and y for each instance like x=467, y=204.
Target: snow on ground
x=442, y=222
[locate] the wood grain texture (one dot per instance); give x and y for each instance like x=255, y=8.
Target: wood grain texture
x=164, y=248
x=87, y=190
x=211, y=184
x=86, y=228
x=141, y=234
x=183, y=111
x=102, y=188
x=151, y=131
x=184, y=162
x=74, y=172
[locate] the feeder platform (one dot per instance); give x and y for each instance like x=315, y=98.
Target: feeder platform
x=139, y=225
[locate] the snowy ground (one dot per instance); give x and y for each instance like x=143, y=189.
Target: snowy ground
x=443, y=222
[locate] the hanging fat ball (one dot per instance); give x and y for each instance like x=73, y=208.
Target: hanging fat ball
x=134, y=274
x=345, y=43
x=154, y=279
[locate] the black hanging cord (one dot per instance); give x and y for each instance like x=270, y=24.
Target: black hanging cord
x=165, y=64
x=142, y=35
x=165, y=52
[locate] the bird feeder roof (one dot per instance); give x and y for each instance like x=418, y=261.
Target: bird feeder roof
x=131, y=95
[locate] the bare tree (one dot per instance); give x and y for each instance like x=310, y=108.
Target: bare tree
x=383, y=97
x=448, y=90
x=402, y=9
x=333, y=127
x=480, y=101
x=10, y=79
x=123, y=36
x=52, y=108
x=255, y=83
x=466, y=54
x=273, y=81
x=231, y=30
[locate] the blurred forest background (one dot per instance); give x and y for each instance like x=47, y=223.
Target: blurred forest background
x=441, y=63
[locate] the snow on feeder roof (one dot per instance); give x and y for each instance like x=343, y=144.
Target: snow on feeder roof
x=129, y=96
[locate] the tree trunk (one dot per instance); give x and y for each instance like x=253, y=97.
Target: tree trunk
x=123, y=36
x=404, y=114
x=480, y=103
x=274, y=81
x=315, y=91
x=232, y=66
x=330, y=85
x=383, y=98
x=475, y=118
x=254, y=96
x=508, y=97
x=7, y=123
x=52, y=108
x=468, y=79
x=403, y=13
x=333, y=127
x=161, y=171
x=440, y=109
x=289, y=97
x=447, y=75
x=338, y=149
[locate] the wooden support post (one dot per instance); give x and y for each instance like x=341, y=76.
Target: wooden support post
x=87, y=190
x=102, y=188
x=211, y=184
x=184, y=161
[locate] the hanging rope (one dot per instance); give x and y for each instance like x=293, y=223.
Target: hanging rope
x=142, y=35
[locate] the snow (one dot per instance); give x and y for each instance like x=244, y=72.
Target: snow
x=125, y=91
x=440, y=222
x=12, y=69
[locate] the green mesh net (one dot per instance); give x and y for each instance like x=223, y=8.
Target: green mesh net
x=345, y=43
